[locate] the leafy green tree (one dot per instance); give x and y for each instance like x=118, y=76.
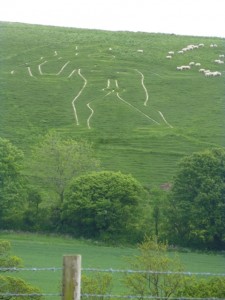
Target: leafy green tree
x=197, y=201
x=11, y=183
x=157, y=208
x=203, y=288
x=56, y=161
x=167, y=281
x=98, y=284
x=10, y=285
x=153, y=257
x=104, y=205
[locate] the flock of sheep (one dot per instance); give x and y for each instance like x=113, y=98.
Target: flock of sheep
x=206, y=72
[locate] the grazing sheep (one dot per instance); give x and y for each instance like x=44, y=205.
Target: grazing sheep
x=201, y=70
x=218, y=61
x=183, y=68
x=197, y=64
x=140, y=51
x=169, y=56
x=186, y=67
x=191, y=63
x=180, y=52
x=208, y=74
x=216, y=73
x=221, y=55
x=171, y=52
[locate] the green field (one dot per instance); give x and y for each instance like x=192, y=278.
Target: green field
x=140, y=113
x=47, y=251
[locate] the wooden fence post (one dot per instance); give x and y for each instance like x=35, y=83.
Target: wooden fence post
x=71, y=288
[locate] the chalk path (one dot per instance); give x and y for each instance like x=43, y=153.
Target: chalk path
x=63, y=67
x=142, y=82
x=164, y=119
x=135, y=108
x=89, y=118
x=72, y=73
x=78, y=95
x=39, y=67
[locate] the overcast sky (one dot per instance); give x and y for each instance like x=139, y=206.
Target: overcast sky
x=184, y=17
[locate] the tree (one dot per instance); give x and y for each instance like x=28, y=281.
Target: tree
x=158, y=207
x=104, y=205
x=197, y=201
x=160, y=275
x=203, y=288
x=56, y=161
x=11, y=182
x=11, y=285
x=152, y=258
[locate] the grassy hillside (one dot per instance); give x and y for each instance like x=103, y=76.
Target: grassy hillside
x=46, y=251
x=141, y=114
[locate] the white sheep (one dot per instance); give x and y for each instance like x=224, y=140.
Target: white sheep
x=201, y=45
x=180, y=52
x=201, y=70
x=221, y=55
x=171, y=52
x=216, y=73
x=208, y=74
x=169, y=56
x=218, y=61
x=191, y=63
x=186, y=67
x=140, y=50
x=183, y=68
x=197, y=64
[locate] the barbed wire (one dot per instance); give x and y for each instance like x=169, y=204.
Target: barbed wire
x=110, y=270
x=152, y=272
x=29, y=295
x=146, y=297
x=29, y=269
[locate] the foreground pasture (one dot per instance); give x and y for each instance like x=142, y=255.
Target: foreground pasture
x=47, y=251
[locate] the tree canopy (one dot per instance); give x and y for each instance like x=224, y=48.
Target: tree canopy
x=56, y=161
x=11, y=181
x=103, y=205
x=9, y=284
x=197, y=201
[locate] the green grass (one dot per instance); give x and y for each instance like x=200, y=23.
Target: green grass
x=47, y=251
x=123, y=137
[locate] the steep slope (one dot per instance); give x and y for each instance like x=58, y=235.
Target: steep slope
x=117, y=89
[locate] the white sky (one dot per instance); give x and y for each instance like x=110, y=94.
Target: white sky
x=185, y=17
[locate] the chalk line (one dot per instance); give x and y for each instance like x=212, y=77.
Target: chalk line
x=142, y=82
x=72, y=73
x=164, y=119
x=92, y=112
x=63, y=67
x=39, y=67
x=78, y=95
x=137, y=109
x=29, y=71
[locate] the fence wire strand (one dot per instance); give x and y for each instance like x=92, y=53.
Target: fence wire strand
x=145, y=297
x=110, y=270
x=153, y=272
x=29, y=295
x=116, y=271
